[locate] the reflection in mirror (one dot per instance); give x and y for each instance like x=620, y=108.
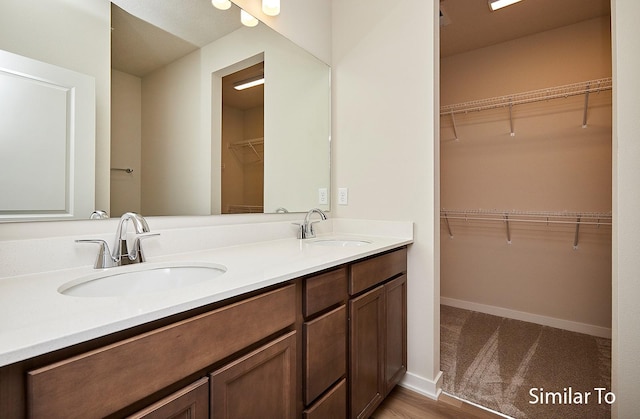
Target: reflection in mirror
x=168, y=119
x=243, y=141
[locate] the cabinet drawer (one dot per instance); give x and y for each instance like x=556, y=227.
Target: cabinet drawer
x=325, y=352
x=191, y=402
x=332, y=405
x=372, y=271
x=107, y=379
x=325, y=290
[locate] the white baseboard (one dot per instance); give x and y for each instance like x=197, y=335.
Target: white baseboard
x=572, y=326
x=424, y=386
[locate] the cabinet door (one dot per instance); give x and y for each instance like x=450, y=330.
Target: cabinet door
x=395, y=332
x=260, y=385
x=366, y=335
x=190, y=403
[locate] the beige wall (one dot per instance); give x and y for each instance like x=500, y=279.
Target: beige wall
x=73, y=34
x=242, y=170
x=551, y=164
x=126, y=142
x=626, y=205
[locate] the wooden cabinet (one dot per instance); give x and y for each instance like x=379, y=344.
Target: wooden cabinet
x=377, y=330
x=192, y=402
x=366, y=339
x=333, y=405
x=324, y=352
x=329, y=345
x=133, y=369
x=261, y=384
x=395, y=365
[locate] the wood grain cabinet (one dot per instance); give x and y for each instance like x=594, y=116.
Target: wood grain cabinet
x=324, y=352
x=192, y=402
x=111, y=378
x=377, y=330
x=261, y=384
x=327, y=345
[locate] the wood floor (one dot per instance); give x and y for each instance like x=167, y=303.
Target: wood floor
x=406, y=404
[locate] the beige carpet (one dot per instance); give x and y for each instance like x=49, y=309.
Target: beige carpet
x=496, y=362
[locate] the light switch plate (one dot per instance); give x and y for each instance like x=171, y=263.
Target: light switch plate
x=322, y=196
x=343, y=196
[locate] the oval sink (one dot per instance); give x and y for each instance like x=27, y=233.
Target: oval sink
x=340, y=242
x=140, y=280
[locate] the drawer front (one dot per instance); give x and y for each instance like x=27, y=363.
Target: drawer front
x=332, y=405
x=370, y=272
x=190, y=402
x=261, y=384
x=105, y=380
x=325, y=352
x=325, y=290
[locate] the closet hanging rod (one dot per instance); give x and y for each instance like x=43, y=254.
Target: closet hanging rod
x=590, y=86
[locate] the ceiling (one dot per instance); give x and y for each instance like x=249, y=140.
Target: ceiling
x=147, y=35
x=470, y=24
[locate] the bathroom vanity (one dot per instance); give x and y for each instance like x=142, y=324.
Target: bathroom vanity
x=320, y=332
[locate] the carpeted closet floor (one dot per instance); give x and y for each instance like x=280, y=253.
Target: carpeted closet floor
x=524, y=370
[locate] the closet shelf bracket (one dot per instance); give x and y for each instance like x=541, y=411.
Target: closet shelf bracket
x=575, y=238
x=446, y=221
x=455, y=128
x=586, y=106
x=506, y=221
x=513, y=134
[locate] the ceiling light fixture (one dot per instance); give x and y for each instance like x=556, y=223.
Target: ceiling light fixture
x=245, y=84
x=221, y=4
x=271, y=7
x=499, y=4
x=247, y=19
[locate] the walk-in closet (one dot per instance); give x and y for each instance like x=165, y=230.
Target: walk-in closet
x=526, y=184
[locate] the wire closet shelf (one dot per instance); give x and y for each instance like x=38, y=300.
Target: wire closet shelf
x=537, y=217
x=574, y=89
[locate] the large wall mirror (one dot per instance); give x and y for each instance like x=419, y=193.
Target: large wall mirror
x=202, y=151
x=176, y=148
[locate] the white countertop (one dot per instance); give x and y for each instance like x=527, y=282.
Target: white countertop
x=35, y=318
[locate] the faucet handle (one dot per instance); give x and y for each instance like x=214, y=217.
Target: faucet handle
x=136, y=252
x=301, y=230
x=104, y=259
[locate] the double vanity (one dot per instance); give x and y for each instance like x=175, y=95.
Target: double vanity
x=276, y=327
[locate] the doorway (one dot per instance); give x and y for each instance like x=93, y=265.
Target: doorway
x=243, y=141
x=523, y=268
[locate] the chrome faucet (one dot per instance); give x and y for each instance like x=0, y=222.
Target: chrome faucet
x=121, y=255
x=305, y=229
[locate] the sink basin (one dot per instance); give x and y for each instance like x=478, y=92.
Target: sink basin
x=140, y=279
x=340, y=242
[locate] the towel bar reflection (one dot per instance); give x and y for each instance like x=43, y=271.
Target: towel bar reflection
x=118, y=169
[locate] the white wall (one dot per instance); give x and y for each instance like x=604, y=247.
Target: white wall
x=73, y=34
x=385, y=96
x=175, y=155
x=181, y=145
x=626, y=207
x=307, y=23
